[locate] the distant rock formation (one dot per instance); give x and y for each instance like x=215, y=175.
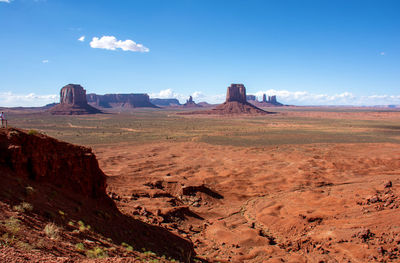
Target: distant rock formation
x=236, y=92
x=165, y=102
x=120, y=100
x=269, y=101
x=235, y=104
x=190, y=103
x=250, y=97
x=73, y=102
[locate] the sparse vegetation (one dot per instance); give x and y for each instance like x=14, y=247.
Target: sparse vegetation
x=80, y=247
x=12, y=226
x=33, y=132
x=24, y=206
x=96, y=252
x=83, y=227
x=51, y=230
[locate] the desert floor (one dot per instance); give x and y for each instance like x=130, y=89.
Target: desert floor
x=301, y=185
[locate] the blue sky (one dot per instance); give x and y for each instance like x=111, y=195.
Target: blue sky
x=308, y=52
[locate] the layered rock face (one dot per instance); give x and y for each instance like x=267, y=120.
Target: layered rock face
x=236, y=92
x=120, y=100
x=44, y=159
x=73, y=94
x=73, y=102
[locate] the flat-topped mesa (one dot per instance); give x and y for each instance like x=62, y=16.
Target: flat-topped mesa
x=236, y=92
x=73, y=94
x=132, y=100
x=251, y=97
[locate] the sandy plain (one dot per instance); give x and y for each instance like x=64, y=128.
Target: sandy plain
x=301, y=185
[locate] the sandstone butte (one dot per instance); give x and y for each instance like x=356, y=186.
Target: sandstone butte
x=235, y=104
x=66, y=184
x=190, y=103
x=73, y=102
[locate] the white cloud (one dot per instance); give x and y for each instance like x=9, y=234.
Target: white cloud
x=198, y=96
x=6, y=1
x=45, y=61
x=345, y=98
x=382, y=53
x=82, y=39
x=111, y=43
x=9, y=99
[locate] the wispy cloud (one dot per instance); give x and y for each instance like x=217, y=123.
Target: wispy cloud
x=9, y=99
x=382, y=53
x=82, y=39
x=5, y=1
x=45, y=61
x=111, y=43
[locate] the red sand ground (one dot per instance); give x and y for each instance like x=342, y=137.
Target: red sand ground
x=295, y=203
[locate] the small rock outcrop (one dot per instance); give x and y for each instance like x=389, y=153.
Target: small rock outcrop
x=120, y=100
x=73, y=102
x=190, y=103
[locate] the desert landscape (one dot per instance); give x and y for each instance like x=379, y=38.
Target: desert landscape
x=304, y=184
x=199, y=131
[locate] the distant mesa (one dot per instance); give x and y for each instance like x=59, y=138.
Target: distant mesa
x=267, y=101
x=73, y=102
x=190, y=103
x=251, y=97
x=165, y=102
x=120, y=100
x=235, y=104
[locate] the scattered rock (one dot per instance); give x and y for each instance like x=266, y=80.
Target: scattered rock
x=387, y=184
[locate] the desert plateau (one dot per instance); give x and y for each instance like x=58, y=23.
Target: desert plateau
x=305, y=184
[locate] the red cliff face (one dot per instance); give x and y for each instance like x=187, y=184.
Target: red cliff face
x=73, y=94
x=44, y=159
x=236, y=92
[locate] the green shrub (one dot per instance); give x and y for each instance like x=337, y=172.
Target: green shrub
x=80, y=247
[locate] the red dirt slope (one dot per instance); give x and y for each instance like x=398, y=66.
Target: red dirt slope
x=45, y=180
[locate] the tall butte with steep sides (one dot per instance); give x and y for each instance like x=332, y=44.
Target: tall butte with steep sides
x=235, y=104
x=73, y=102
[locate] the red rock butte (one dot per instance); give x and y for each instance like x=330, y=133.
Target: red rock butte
x=235, y=104
x=73, y=102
